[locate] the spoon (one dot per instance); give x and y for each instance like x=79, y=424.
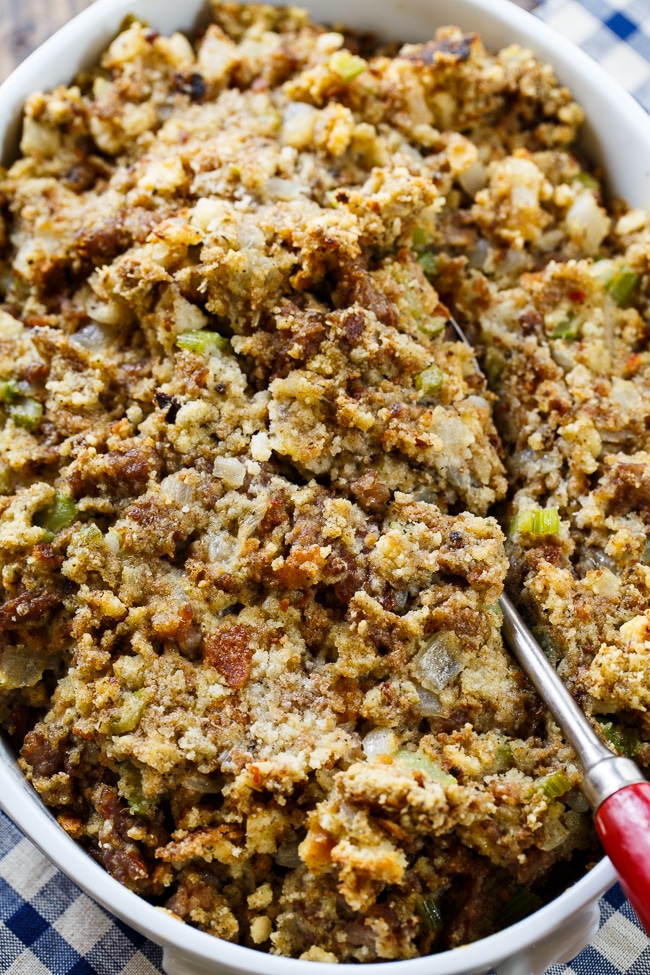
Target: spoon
x=614, y=787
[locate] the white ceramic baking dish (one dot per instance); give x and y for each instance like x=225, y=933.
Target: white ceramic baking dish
x=618, y=135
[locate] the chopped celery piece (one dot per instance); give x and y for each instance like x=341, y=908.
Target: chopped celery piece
x=432, y=326
x=568, y=329
x=626, y=741
x=620, y=283
x=420, y=238
x=347, y=65
x=203, y=343
x=130, y=786
x=494, y=366
x=523, y=903
x=430, y=380
x=588, y=180
x=88, y=535
x=503, y=755
x=130, y=20
x=554, y=785
x=427, y=262
x=536, y=521
x=429, y=911
x=5, y=478
x=420, y=763
x=130, y=713
x=8, y=390
x=27, y=414
x=57, y=515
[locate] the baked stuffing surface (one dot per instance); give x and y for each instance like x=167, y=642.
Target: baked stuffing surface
x=253, y=491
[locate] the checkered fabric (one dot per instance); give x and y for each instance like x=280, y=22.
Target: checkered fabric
x=49, y=927
x=615, y=33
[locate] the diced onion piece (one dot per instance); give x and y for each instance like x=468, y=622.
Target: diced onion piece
x=175, y=486
x=430, y=705
x=204, y=784
x=479, y=255
x=379, y=741
x=231, y=471
x=430, y=380
x=420, y=763
x=587, y=223
x=95, y=336
x=577, y=800
x=346, y=65
x=284, y=189
x=437, y=664
x=536, y=521
x=298, y=122
x=112, y=542
x=330, y=41
x=595, y=558
x=203, y=342
x=20, y=668
x=474, y=178
x=287, y=855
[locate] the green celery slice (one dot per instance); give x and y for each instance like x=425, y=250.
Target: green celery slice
x=619, y=282
x=130, y=713
x=430, y=380
x=346, y=65
x=429, y=911
x=27, y=413
x=568, y=329
x=536, y=521
x=626, y=741
x=554, y=785
x=523, y=903
x=8, y=390
x=57, y=515
x=202, y=342
x=420, y=763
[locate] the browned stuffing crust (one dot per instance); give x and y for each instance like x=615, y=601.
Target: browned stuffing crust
x=251, y=649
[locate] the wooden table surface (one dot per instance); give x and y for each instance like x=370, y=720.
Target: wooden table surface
x=24, y=24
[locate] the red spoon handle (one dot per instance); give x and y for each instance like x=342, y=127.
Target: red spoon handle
x=623, y=824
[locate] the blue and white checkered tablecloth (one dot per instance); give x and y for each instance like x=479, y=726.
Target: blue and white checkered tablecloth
x=49, y=927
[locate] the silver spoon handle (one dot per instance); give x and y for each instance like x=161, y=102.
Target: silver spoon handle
x=605, y=773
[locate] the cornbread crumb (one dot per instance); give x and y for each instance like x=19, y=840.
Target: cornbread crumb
x=252, y=651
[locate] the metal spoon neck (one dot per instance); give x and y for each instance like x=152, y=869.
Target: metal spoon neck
x=612, y=773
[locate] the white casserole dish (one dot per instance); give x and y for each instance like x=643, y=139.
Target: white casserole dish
x=618, y=136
